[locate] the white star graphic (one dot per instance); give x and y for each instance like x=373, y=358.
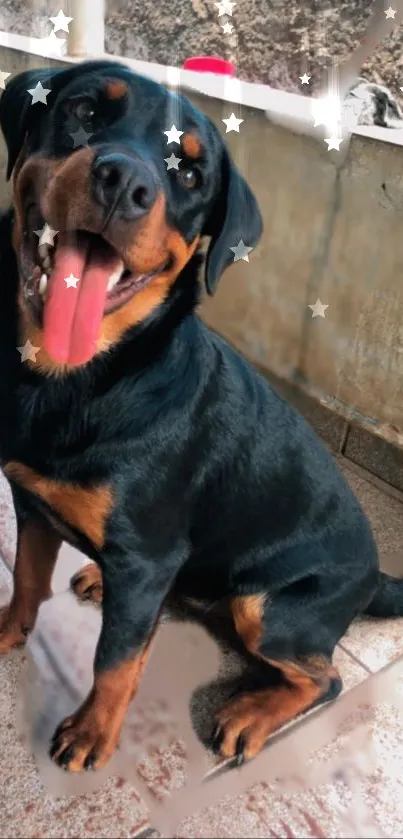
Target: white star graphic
x=46, y=235
x=318, y=310
x=3, y=77
x=173, y=135
x=232, y=123
x=39, y=94
x=333, y=143
x=80, y=137
x=227, y=28
x=54, y=44
x=326, y=111
x=305, y=78
x=390, y=13
x=225, y=8
x=172, y=162
x=60, y=22
x=28, y=351
x=71, y=281
x=241, y=251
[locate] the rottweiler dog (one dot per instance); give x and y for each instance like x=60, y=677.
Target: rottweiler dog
x=133, y=432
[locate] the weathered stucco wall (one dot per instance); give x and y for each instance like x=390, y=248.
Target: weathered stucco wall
x=331, y=231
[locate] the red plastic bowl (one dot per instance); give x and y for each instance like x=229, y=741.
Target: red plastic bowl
x=209, y=64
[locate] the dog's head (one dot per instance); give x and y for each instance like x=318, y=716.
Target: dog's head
x=91, y=164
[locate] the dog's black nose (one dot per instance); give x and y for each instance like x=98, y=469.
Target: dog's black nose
x=123, y=184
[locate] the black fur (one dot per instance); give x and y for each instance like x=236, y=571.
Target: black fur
x=220, y=487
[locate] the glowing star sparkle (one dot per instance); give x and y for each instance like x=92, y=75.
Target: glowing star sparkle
x=225, y=8
x=227, y=28
x=46, y=235
x=305, y=78
x=390, y=13
x=318, y=309
x=326, y=111
x=241, y=251
x=71, y=281
x=54, y=44
x=172, y=162
x=173, y=135
x=39, y=94
x=333, y=143
x=60, y=22
x=232, y=123
x=28, y=351
x=3, y=77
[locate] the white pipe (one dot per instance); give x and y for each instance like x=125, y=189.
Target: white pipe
x=87, y=29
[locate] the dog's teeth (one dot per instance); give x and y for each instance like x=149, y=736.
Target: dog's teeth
x=43, y=284
x=115, y=277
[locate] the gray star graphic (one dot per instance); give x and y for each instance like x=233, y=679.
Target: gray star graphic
x=46, y=235
x=39, y=94
x=80, y=137
x=318, y=309
x=241, y=251
x=28, y=351
x=172, y=162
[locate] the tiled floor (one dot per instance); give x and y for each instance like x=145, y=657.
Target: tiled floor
x=35, y=803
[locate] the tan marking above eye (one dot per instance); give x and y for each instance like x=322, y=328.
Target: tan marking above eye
x=116, y=89
x=192, y=146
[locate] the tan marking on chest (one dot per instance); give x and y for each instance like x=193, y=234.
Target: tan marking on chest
x=85, y=509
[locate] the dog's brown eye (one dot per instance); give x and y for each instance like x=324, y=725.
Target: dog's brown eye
x=188, y=178
x=84, y=110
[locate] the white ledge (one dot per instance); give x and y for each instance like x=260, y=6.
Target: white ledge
x=289, y=110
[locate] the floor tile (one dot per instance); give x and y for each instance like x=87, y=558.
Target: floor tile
x=384, y=511
x=375, y=642
x=357, y=788
x=376, y=455
x=351, y=671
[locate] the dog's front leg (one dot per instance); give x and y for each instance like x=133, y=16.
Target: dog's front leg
x=37, y=549
x=134, y=589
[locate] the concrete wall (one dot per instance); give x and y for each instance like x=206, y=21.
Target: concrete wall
x=333, y=230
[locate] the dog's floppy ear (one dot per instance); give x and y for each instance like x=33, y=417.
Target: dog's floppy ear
x=235, y=216
x=17, y=114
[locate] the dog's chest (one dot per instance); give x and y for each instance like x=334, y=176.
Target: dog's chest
x=34, y=459
x=76, y=508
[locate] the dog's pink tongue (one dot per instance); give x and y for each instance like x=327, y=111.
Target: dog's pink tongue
x=72, y=316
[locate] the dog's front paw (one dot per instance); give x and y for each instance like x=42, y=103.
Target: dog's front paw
x=84, y=741
x=12, y=632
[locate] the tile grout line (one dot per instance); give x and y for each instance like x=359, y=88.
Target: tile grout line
x=355, y=659
x=371, y=477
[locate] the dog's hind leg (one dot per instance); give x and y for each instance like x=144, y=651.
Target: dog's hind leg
x=86, y=584
x=300, y=673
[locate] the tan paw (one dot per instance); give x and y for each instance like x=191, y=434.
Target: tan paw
x=84, y=741
x=12, y=633
x=87, y=583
